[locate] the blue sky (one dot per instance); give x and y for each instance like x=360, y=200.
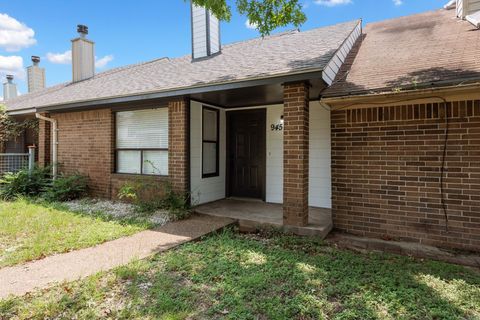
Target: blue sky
x=128, y=32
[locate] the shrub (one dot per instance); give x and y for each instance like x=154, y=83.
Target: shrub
x=66, y=188
x=23, y=183
x=39, y=183
x=177, y=204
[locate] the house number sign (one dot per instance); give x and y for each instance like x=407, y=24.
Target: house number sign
x=277, y=127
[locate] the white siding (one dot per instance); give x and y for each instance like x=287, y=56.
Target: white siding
x=199, y=29
x=274, y=184
x=9, y=91
x=467, y=7
x=83, y=59
x=205, y=189
x=36, y=78
x=199, y=32
x=334, y=65
x=320, y=157
x=214, y=35
x=320, y=191
x=211, y=189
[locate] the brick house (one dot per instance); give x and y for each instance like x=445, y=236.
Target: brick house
x=379, y=127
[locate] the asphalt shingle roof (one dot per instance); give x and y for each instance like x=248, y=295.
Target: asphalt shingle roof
x=276, y=55
x=432, y=48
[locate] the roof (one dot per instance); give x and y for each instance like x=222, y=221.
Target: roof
x=423, y=50
x=272, y=56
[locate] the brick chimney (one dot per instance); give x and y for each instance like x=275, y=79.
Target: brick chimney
x=83, y=55
x=36, y=75
x=9, y=89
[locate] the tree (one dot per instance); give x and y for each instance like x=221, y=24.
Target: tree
x=265, y=15
x=11, y=129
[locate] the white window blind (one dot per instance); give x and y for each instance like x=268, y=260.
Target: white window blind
x=143, y=129
x=142, y=141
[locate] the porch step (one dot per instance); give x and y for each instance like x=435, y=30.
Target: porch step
x=254, y=215
x=320, y=231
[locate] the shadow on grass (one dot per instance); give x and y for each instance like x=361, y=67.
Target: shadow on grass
x=281, y=277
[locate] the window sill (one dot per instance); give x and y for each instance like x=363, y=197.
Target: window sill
x=141, y=176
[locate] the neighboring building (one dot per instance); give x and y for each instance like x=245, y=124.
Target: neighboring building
x=331, y=118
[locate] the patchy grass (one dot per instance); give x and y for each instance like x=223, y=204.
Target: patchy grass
x=30, y=230
x=231, y=276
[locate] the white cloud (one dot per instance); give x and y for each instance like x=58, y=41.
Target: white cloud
x=102, y=62
x=250, y=25
x=398, y=2
x=11, y=65
x=332, y=3
x=15, y=35
x=60, y=58
x=66, y=58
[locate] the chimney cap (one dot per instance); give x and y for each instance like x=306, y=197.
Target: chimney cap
x=35, y=59
x=82, y=29
x=9, y=77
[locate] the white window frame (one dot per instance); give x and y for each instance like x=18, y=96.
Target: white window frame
x=142, y=150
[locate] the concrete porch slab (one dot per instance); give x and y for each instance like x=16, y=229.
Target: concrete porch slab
x=255, y=214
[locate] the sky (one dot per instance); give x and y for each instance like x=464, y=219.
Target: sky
x=127, y=32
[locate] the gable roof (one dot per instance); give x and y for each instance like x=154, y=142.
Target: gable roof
x=425, y=50
x=273, y=56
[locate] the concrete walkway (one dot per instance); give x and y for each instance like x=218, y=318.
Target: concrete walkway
x=18, y=280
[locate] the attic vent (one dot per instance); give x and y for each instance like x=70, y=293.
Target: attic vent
x=205, y=33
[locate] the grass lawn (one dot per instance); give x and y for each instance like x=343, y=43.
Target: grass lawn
x=233, y=276
x=30, y=231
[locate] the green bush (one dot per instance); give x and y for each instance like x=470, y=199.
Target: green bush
x=177, y=204
x=23, y=183
x=39, y=183
x=66, y=188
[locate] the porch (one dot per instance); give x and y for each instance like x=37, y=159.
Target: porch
x=256, y=214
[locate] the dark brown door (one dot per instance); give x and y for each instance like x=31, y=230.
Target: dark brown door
x=246, y=154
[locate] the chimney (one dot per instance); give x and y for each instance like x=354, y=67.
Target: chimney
x=467, y=7
x=83, y=55
x=205, y=33
x=9, y=88
x=36, y=76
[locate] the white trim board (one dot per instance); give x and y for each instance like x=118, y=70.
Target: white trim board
x=330, y=71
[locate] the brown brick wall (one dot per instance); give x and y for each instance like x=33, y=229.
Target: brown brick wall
x=295, y=154
x=386, y=173
x=154, y=186
x=85, y=146
x=44, y=142
x=179, y=155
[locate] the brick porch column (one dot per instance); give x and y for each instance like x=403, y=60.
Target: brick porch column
x=44, y=142
x=295, y=153
x=179, y=138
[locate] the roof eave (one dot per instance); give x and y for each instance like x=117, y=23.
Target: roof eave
x=368, y=96
x=282, y=78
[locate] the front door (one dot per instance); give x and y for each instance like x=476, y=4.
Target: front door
x=246, y=154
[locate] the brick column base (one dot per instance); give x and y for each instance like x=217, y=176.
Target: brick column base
x=178, y=146
x=44, y=142
x=295, y=153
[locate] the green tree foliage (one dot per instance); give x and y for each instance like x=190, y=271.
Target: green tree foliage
x=265, y=15
x=11, y=129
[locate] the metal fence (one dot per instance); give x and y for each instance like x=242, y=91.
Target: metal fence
x=14, y=162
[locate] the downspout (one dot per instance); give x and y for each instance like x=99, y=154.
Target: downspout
x=54, y=143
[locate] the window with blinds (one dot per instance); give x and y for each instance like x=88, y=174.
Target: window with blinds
x=142, y=142
x=210, y=155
